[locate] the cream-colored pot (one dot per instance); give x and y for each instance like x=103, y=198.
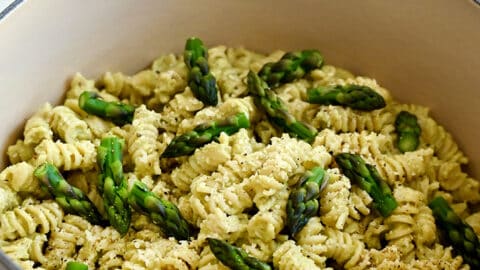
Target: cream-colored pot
x=427, y=52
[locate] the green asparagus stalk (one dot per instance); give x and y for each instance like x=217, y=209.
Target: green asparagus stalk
x=291, y=66
x=76, y=266
x=112, y=183
x=117, y=112
x=69, y=197
x=367, y=177
x=162, y=212
x=354, y=96
x=408, y=131
x=303, y=202
x=201, y=81
x=234, y=257
x=276, y=109
x=458, y=233
x=186, y=144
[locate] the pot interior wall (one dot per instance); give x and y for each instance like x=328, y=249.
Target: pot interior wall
x=423, y=51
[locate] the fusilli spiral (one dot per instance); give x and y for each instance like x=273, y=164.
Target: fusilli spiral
x=68, y=125
x=30, y=218
x=68, y=156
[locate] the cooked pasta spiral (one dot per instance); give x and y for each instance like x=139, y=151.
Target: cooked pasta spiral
x=441, y=140
x=342, y=119
x=37, y=128
x=425, y=228
x=402, y=222
x=182, y=106
x=168, y=62
x=30, y=218
x=203, y=161
x=159, y=254
x=20, y=151
x=169, y=83
x=334, y=200
x=364, y=143
x=8, y=199
x=19, y=177
x=345, y=249
x=451, y=178
x=289, y=256
x=64, y=240
x=407, y=167
x=68, y=156
x=22, y=250
x=142, y=142
x=68, y=125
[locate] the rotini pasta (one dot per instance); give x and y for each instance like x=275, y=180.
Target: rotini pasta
x=8, y=199
x=347, y=120
x=19, y=177
x=182, y=106
x=142, y=142
x=133, y=88
x=169, y=83
x=37, y=127
x=203, y=161
x=68, y=125
x=19, y=152
x=363, y=143
x=64, y=241
x=402, y=222
x=452, y=179
x=334, y=200
x=68, y=156
x=399, y=168
x=30, y=218
x=345, y=249
x=289, y=256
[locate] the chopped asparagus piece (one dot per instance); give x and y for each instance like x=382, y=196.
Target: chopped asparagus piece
x=367, y=177
x=458, y=233
x=276, y=109
x=408, y=131
x=161, y=212
x=186, y=144
x=76, y=266
x=112, y=183
x=291, y=66
x=201, y=81
x=303, y=200
x=117, y=112
x=234, y=257
x=354, y=96
x=69, y=197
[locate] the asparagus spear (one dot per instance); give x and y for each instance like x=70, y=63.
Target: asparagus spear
x=117, y=112
x=201, y=81
x=408, y=131
x=367, y=177
x=458, y=232
x=69, y=197
x=291, y=66
x=186, y=144
x=303, y=203
x=276, y=109
x=112, y=183
x=162, y=212
x=234, y=257
x=76, y=266
x=354, y=96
